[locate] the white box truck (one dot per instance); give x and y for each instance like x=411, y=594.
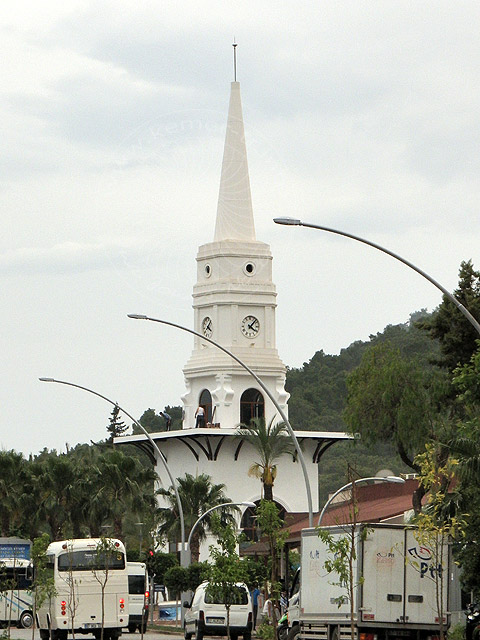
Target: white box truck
x=396, y=582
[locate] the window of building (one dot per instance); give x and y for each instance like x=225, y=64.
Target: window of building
x=249, y=523
x=206, y=402
x=252, y=405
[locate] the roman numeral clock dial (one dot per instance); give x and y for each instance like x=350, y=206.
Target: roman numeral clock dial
x=250, y=326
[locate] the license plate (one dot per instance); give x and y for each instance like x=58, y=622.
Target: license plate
x=215, y=620
x=92, y=625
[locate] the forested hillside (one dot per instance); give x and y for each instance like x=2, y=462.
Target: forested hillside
x=318, y=395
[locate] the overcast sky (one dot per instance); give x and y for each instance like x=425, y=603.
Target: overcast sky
x=364, y=116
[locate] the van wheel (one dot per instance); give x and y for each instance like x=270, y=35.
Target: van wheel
x=198, y=633
x=144, y=630
x=247, y=635
x=131, y=628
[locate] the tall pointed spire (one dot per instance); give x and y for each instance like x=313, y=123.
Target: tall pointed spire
x=234, y=211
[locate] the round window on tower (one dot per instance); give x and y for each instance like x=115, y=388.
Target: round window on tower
x=208, y=270
x=249, y=268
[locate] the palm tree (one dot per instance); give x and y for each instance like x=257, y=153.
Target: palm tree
x=120, y=484
x=12, y=477
x=197, y=494
x=54, y=479
x=270, y=443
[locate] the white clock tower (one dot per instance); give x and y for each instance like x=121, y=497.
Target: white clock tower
x=234, y=301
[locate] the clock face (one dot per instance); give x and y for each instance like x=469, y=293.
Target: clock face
x=250, y=326
x=207, y=327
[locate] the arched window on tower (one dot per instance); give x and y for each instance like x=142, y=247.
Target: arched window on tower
x=249, y=522
x=206, y=402
x=252, y=405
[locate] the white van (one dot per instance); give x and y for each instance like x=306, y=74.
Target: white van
x=205, y=616
x=138, y=596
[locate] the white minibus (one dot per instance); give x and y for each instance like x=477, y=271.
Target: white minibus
x=15, y=593
x=91, y=582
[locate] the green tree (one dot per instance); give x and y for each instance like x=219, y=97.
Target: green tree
x=319, y=390
x=392, y=398
x=55, y=479
x=104, y=560
x=343, y=553
x=12, y=476
x=226, y=568
x=270, y=443
x=158, y=564
x=465, y=447
x=272, y=527
x=197, y=495
x=115, y=427
x=176, y=581
x=456, y=335
x=120, y=484
x=436, y=526
x=43, y=586
x=197, y=572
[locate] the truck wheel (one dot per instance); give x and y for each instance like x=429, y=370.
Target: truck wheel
x=144, y=630
x=247, y=635
x=26, y=620
x=294, y=631
x=131, y=628
x=44, y=635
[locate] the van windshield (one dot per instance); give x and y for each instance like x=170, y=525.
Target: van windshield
x=237, y=595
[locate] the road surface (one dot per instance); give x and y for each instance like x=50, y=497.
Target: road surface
x=26, y=634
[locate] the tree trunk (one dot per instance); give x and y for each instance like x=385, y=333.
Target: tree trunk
x=268, y=491
x=195, y=547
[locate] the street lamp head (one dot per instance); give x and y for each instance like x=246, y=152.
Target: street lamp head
x=47, y=379
x=395, y=479
x=137, y=316
x=289, y=221
x=249, y=504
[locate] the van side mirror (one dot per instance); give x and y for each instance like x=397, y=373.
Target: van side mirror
x=187, y=604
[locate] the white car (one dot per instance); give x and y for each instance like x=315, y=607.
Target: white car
x=205, y=616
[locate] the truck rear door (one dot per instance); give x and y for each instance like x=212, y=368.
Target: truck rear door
x=383, y=571
x=426, y=567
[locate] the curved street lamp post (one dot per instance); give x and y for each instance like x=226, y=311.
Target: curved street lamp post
x=202, y=516
x=136, y=316
x=298, y=223
x=393, y=479
x=183, y=554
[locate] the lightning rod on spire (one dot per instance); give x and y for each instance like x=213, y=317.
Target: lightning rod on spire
x=234, y=60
